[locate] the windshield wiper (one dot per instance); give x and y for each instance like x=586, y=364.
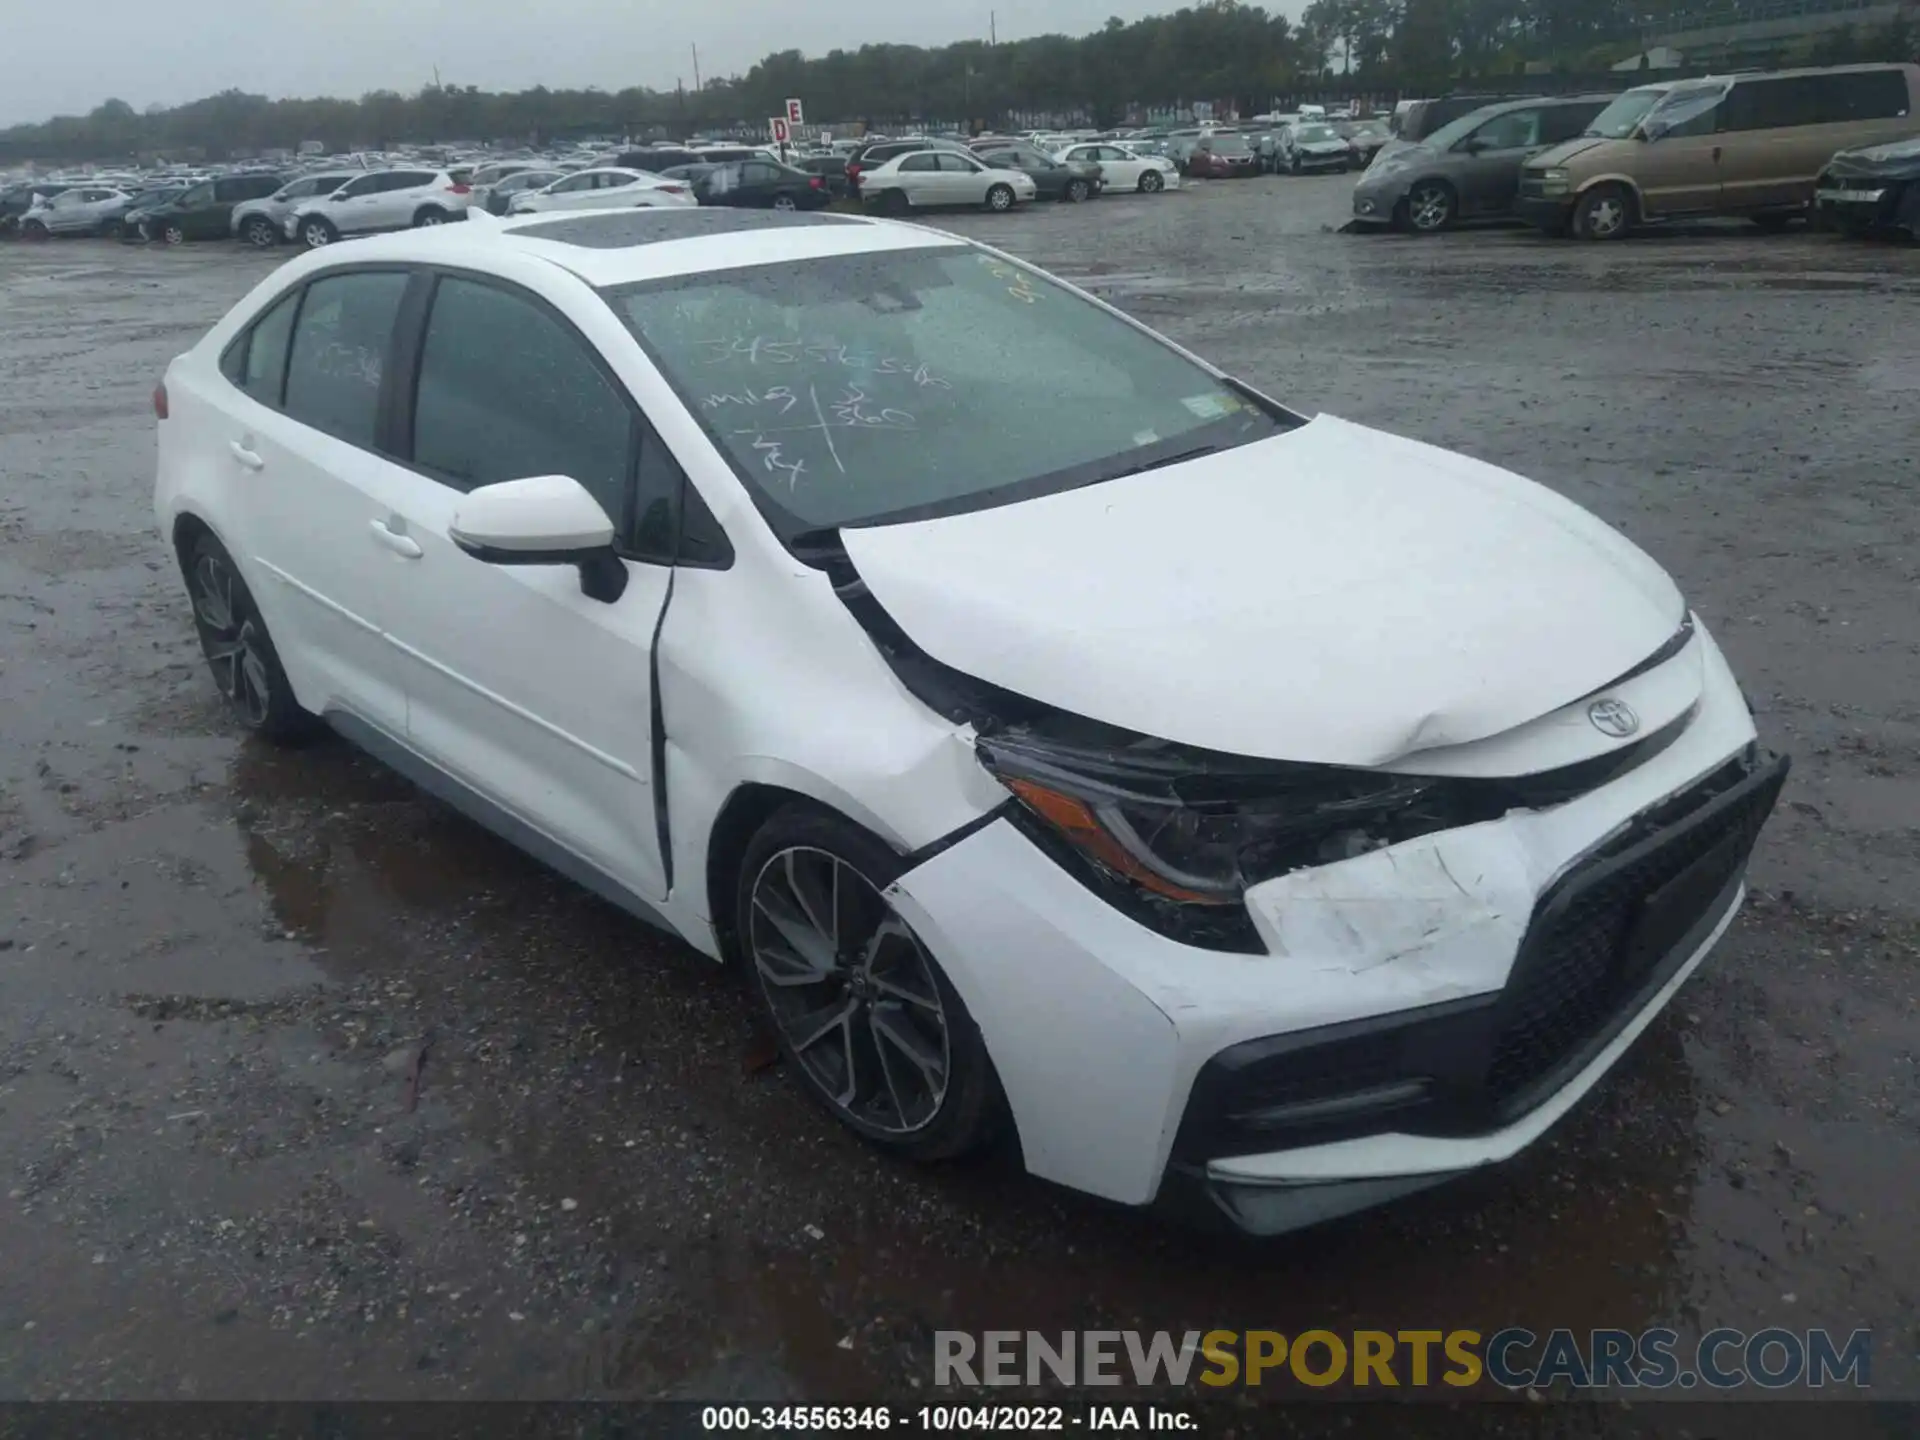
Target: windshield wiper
x=1165, y=460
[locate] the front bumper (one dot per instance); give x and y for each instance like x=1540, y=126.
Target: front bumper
x=1545, y=212
x=1422, y=1010
x=1329, y=160
x=1375, y=204
x=1866, y=204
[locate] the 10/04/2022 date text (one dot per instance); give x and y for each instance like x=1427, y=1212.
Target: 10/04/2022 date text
x=925, y=1418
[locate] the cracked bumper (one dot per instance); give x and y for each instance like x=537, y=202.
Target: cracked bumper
x=1103, y=1032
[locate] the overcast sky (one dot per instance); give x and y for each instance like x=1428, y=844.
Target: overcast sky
x=66, y=56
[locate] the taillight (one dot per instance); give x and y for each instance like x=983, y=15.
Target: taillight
x=459, y=189
x=853, y=172
x=674, y=189
x=814, y=182
x=160, y=401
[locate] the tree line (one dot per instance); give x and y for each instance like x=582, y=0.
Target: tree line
x=1220, y=52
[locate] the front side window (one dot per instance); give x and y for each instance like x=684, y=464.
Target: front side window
x=199, y=195
x=365, y=185
x=507, y=391
x=919, y=163
x=956, y=164
x=861, y=389
x=339, y=353
x=1515, y=130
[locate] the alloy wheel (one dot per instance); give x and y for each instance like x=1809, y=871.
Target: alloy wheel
x=784, y=202
x=174, y=235
x=317, y=235
x=1429, y=207
x=231, y=637
x=851, y=990
x=1605, y=216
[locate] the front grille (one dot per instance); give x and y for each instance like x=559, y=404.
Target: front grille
x=1598, y=937
x=1606, y=936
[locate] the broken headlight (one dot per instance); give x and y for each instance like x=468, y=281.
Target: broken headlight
x=1198, y=830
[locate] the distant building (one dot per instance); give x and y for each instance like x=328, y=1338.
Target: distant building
x=1656, y=57
x=1760, y=32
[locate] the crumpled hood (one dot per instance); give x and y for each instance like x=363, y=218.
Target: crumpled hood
x=1334, y=594
x=1899, y=160
x=1565, y=151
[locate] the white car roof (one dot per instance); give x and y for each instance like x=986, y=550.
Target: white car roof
x=620, y=246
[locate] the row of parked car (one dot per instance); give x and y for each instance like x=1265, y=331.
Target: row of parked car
x=1838, y=145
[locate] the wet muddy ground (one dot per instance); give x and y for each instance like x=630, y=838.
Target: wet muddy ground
x=309, y=1088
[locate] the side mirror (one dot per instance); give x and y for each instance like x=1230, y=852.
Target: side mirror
x=1473, y=145
x=546, y=520
x=340, y=194
x=1650, y=130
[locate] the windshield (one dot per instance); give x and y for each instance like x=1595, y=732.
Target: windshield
x=1308, y=133
x=199, y=195
x=1229, y=145
x=862, y=389
x=1368, y=130
x=1619, y=119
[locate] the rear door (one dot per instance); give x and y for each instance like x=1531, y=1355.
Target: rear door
x=298, y=437
x=399, y=196
x=519, y=684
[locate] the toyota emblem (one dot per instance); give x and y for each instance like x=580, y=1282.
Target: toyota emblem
x=1613, y=717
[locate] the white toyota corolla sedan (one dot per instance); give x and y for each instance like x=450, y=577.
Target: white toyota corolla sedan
x=1066, y=741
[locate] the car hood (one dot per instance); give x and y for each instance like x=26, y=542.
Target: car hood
x=1323, y=147
x=1568, y=149
x=1899, y=160
x=1334, y=594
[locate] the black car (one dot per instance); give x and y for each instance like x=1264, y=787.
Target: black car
x=762, y=185
x=1053, y=179
x=830, y=168
x=876, y=153
x=1873, y=189
x=1423, y=117
x=115, y=222
x=205, y=212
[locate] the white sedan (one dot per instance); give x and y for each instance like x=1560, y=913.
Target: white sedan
x=1061, y=737
x=1122, y=169
x=928, y=178
x=608, y=188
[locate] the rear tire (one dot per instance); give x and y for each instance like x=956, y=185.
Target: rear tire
x=880, y=1039
x=784, y=202
x=1603, y=213
x=246, y=668
x=430, y=215
x=174, y=233
x=1000, y=198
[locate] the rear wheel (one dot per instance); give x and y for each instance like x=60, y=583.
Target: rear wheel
x=430, y=215
x=865, y=1016
x=239, y=652
x=174, y=233
x=784, y=202
x=260, y=233
x=317, y=230
x=1603, y=213
x=1151, y=182
x=1000, y=197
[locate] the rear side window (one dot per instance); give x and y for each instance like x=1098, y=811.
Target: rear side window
x=339, y=353
x=257, y=361
x=1871, y=95
x=507, y=391
x=1774, y=104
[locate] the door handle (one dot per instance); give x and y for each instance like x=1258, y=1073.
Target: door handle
x=246, y=457
x=404, y=545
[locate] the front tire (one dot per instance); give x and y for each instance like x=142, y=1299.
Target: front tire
x=261, y=233
x=1000, y=198
x=1078, y=190
x=246, y=668
x=316, y=231
x=1431, y=207
x=1604, y=213
x=865, y=1017
x=34, y=230
x=1151, y=183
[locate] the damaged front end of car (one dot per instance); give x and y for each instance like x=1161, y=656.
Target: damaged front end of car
x=1873, y=189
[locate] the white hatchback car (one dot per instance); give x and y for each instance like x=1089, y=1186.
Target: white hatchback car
x=380, y=200
x=608, y=188
x=1063, y=738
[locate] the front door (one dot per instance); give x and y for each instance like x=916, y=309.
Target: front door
x=518, y=684
x=1679, y=169
x=1490, y=178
